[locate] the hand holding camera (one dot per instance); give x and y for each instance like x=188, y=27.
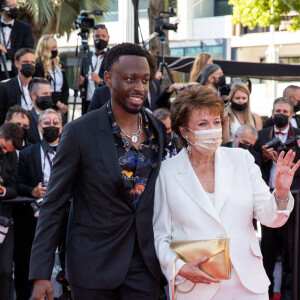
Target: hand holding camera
x=39, y=191
x=4, y=226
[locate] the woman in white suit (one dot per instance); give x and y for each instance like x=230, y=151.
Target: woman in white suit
x=206, y=192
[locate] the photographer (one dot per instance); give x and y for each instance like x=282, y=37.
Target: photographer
x=35, y=166
x=11, y=137
x=92, y=77
x=271, y=237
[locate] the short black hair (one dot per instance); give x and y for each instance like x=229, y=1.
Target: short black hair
x=33, y=84
x=17, y=109
x=120, y=50
x=22, y=52
x=14, y=133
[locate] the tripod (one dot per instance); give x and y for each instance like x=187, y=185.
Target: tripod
x=163, y=65
x=81, y=63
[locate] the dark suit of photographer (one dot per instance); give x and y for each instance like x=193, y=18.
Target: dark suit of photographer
x=272, y=237
x=9, y=133
x=35, y=165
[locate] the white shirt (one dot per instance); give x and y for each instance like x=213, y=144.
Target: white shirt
x=46, y=164
x=96, y=63
x=25, y=103
x=283, y=138
x=7, y=34
x=57, y=79
x=294, y=122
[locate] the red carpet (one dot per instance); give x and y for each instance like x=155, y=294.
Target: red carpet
x=276, y=297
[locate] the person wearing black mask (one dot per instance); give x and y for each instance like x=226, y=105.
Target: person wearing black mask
x=18, y=115
x=213, y=76
x=284, y=237
x=238, y=112
x=35, y=164
x=40, y=93
x=15, y=91
x=49, y=67
x=14, y=35
x=93, y=75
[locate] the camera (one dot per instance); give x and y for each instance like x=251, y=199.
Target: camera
x=4, y=221
x=160, y=25
x=36, y=205
x=84, y=22
x=278, y=146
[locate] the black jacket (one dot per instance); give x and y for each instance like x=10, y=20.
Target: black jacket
x=9, y=176
x=10, y=94
x=103, y=226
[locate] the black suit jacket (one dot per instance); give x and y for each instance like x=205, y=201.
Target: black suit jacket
x=10, y=94
x=9, y=176
x=30, y=171
x=265, y=136
x=21, y=37
x=103, y=226
x=33, y=135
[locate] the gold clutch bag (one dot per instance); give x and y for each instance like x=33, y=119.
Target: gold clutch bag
x=217, y=252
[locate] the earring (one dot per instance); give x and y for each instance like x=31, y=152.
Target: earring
x=188, y=148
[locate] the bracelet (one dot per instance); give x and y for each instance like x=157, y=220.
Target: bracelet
x=62, y=106
x=286, y=199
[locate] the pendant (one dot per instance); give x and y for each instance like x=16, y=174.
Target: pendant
x=134, y=138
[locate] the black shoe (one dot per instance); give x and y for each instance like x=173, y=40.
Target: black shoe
x=285, y=297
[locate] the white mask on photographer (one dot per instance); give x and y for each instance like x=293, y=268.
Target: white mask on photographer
x=207, y=141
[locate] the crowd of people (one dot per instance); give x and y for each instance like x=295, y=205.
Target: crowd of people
x=115, y=188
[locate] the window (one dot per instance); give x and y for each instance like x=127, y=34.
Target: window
x=222, y=8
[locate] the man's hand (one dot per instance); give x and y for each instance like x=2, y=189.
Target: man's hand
x=2, y=48
x=96, y=78
x=42, y=289
x=81, y=79
x=63, y=108
x=39, y=191
x=176, y=86
x=269, y=153
x=192, y=272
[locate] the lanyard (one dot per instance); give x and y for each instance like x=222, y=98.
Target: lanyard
x=49, y=160
x=23, y=94
x=6, y=44
x=54, y=76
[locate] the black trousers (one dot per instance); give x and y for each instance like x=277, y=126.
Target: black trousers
x=6, y=265
x=137, y=285
x=24, y=228
x=279, y=242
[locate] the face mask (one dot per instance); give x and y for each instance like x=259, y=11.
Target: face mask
x=44, y=102
x=207, y=141
x=50, y=133
x=13, y=13
x=280, y=120
x=54, y=53
x=25, y=132
x=220, y=81
x=100, y=44
x=27, y=70
x=168, y=137
x=244, y=146
x=239, y=107
x=297, y=107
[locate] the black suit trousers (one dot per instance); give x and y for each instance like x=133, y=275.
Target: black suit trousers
x=138, y=284
x=6, y=265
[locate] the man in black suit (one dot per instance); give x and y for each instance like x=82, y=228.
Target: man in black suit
x=293, y=93
x=108, y=160
x=40, y=93
x=93, y=75
x=15, y=90
x=35, y=165
x=14, y=35
x=11, y=137
x=284, y=236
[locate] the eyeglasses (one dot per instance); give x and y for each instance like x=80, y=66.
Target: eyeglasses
x=24, y=126
x=48, y=122
x=48, y=36
x=100, y=26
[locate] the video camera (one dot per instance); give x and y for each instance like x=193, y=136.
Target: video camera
x=160, y=25
x=83, y=21
x=278, y=146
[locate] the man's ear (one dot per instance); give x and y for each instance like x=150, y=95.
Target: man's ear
x=5, y=121
x=107, y=78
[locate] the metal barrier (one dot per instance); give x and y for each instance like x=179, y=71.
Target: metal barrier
x=19, y=199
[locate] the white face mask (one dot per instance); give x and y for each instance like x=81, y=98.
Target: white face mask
x=207, y=141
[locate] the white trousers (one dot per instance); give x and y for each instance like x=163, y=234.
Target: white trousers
x=231, y=289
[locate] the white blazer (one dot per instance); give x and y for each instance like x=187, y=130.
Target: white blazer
x=183, y=211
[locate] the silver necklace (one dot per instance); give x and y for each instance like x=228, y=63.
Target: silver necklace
x=135, y=136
